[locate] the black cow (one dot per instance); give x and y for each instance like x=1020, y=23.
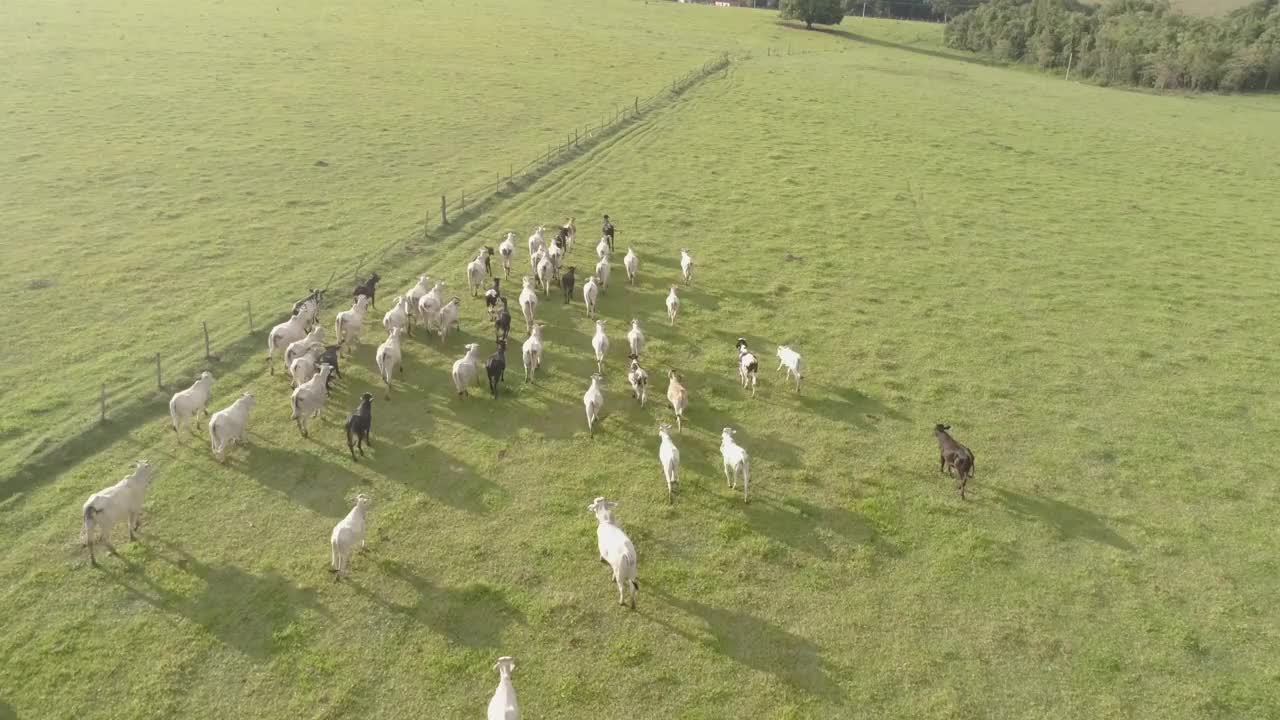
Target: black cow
x=359, y=423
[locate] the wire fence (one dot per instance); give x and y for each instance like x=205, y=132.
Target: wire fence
x=576, y=138
x=124, y=400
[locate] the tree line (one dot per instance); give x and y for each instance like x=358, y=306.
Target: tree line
x=830, y=12
x=1141, y=43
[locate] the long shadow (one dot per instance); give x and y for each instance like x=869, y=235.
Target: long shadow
x=699, y=454
x=757, y=644
x=656, y=284
x=441, y=475
x=454, y=346
x=322, y=484
x=1067, y=520
x=694, y=296
x=50, y=462
x=7, y=712
x=750, y=297
x=771, y=447
x=764, y=349
x=519, y=406
x=845, y=405
x=229, y=605
x=474, y=616
x=668, y=260
x=707, y=392
x=795, y=523
x=565, y=351
x=649, y=308
x=854, y=37
x=566, y=409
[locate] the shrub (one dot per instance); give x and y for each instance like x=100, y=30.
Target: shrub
x=822, y=12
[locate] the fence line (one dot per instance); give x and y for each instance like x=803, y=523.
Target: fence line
x=457, y=202
x=175, y=368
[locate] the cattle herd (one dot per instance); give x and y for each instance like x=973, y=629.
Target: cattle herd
x=312, y=365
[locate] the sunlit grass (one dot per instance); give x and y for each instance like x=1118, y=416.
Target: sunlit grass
x=1078, y=280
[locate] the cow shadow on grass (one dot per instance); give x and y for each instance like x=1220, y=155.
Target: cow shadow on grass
x=568, y=351
x=768, y=446
x=1067, y=520
x=444, y=477
x=797, y=524
x=755, y=643
x=413, y=381
x=765, y=349
x=747, y=297
x=699, y=454
x=454, y=347
x=842, y=404
x=772, y=448
x=317, y=482
x=652, y=316
x=519, y=406
x=693, y=297
x=814, y=530
x=49, y=458
x=7, y=712
x=230, y=603
x=668, y=260
x=475, y=615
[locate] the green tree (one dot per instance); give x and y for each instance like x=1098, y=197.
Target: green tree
x=823, y=12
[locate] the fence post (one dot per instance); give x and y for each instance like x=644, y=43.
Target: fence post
x=426, y=224
x=248, y=308
x=462, y=201
x=207, y=353
x=1070, y=56
x=637, y=105
x=497, y=182
x=444, y=214
x=159, y=378
x=102, y=404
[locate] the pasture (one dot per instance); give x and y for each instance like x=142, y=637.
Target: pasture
x=1079, y=280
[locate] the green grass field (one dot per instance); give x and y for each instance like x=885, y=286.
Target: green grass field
x=149, y=141
x=1079, y=280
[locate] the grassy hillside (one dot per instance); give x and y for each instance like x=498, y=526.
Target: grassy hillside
x=1088, y=303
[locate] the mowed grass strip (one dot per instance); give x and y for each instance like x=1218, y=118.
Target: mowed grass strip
x=1086, y=303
